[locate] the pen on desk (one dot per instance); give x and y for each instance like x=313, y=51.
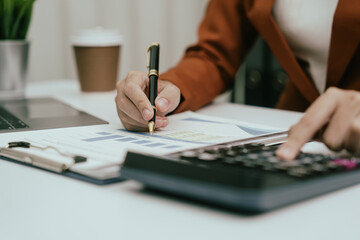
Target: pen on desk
x=153, y=65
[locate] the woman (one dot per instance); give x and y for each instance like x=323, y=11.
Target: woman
x=316, y=42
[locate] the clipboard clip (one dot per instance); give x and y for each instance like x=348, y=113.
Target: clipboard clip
x=13, y=153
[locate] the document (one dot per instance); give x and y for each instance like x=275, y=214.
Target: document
x=105, y=146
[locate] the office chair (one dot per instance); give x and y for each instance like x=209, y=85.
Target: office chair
x=260, y=80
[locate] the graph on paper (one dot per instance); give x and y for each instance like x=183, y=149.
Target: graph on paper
x=107, y=144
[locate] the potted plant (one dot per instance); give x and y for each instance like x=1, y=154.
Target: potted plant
x=15, y=16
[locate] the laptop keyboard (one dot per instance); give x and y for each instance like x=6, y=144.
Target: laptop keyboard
x=264, y=158
x=9, y=121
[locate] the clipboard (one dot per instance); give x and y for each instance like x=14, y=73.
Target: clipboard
x=24, y=153
x=70, y=174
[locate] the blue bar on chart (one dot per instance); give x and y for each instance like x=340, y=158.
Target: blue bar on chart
x=103, y=136
x=103, y=133
x=127, y=139
x=155, y=145
x=96, y=139
x=171, y=146
x=142, y=142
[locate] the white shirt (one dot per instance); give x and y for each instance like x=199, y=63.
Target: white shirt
x=306, y=26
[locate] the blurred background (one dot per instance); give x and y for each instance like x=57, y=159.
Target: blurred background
x=172, y=23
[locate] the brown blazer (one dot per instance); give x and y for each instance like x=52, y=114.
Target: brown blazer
x=229, y=30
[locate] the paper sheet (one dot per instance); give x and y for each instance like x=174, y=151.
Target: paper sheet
x=105, y=145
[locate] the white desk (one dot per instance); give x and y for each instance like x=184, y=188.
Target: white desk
x=35, y=204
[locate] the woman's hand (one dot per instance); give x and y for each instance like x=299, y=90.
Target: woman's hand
x=334, y=117
x=133, y=105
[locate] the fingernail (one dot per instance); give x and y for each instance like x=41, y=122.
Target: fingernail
x=162, y=104
x=158, y=123
x=165, y=123
x=285, y=152
x=146, y=114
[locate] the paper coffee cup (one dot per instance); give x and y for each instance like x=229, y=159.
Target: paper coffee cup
x=97, y=54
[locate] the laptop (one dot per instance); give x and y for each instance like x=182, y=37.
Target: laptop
x=41, y=113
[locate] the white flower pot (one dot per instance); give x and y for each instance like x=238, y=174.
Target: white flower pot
x=13, y=68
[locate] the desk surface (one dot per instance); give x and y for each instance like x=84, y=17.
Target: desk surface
x=35, y=204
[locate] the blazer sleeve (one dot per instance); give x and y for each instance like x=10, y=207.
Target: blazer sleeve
x=208, y=67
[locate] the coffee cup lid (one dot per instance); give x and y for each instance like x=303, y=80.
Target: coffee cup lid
x=97, y=37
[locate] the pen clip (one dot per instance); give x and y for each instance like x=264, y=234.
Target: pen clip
x=147, y=57
x=147, y=53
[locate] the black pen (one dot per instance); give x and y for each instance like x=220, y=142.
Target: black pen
x=153, y=66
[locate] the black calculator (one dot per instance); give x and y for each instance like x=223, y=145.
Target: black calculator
x=245, y=177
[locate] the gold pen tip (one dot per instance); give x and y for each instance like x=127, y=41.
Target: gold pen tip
x=151, y=126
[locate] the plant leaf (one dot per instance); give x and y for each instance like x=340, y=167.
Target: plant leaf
x=15, y=16
x=1, y=17
x=25, y=23
x=22, y=19
x=8, y=8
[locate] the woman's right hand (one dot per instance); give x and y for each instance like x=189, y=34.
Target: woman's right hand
x=133, y=106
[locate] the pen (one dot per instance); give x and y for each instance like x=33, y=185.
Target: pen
x=153, y=66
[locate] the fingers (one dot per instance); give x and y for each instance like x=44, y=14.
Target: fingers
x=342, y=123
x=168, y=97
x=129, y=109
x=134, y=90
x=352, y=139
x=337, y=113
x=133, y=106
x=132, y=125
x=318, y=114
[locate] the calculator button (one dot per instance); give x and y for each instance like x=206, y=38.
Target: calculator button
x=298, y=172
x=284, y=165
x=273, y=160
x=240, y=159
x=207, y=157
x=237, y=147
x=254, y=145
x=189, y=154
x=252, y=156
x=267, y=154
x=348, y=164
x=334, y=167
x=306, y=160
x=230, y=153
x=267, y=148
x=316, y=167
x=223, y=149
x=242, y=151
x=211, y=151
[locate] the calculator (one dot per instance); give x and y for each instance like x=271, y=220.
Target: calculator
x=245, y=177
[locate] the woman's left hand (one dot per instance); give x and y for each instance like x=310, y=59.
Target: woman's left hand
x=334, y=117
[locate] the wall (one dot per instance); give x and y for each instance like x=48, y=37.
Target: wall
x=173, y=23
